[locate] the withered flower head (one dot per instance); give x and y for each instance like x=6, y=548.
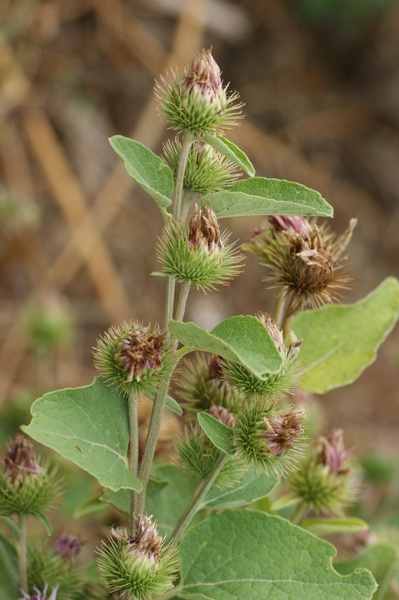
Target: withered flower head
x=204, y=229
x=145, y=541
x=275, y=333
x=305, y=260
x=132, y=356
x=223, y=415
x=282, y=430
x=20, y=460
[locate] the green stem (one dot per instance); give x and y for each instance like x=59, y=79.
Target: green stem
x=280, y=307
x=133, y=453
x=200, y=492
x=169, y=301
x=182, y=302
x=178, y=194
x=172, y=593
x=23, y=577
x=298, y=514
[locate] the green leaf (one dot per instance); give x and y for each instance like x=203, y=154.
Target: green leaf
x=12, y=526
x=89, y=426
x=173, y=405
x=242, y=339
x=89, y=507
x=9, y=578
x=148, y=169
x=220, y=434
x=260, y=196
x=381, y=559
x=253, y=487
x=246, y=554
x=231, y=151
x=331, y=526
x=44, y=521
x=339, y=342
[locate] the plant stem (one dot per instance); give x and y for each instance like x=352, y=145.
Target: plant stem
x=280, y=307
x=133, y=453
x=171, y=593
x=178, y=194
x=23, y=577
x=200, y=492
x=298, y=514
x=183, y=296
x=169, y=301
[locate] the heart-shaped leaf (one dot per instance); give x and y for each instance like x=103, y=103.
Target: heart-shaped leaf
x=220, y=434
x=242, y=339
x=231, y=151
x=261, y=196
x=148, y=169
x=246, y=554
x=89, y=426
x=339, y=342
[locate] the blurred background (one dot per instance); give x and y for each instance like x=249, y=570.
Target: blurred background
x=320, y=81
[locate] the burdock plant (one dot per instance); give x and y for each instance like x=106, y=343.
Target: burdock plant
x=188, y=527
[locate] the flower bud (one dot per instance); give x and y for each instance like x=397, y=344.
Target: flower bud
x=202, y=386
x=198, y=102
x=328, y=480
x=26, y=487
x=141, y=563
x=304, y=260
x=274, y=385
x=198, y=253
x=268, y=439
x=206, y=171
x=131, y=357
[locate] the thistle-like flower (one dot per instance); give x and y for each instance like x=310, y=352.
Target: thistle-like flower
x=26, y=487
x=142, y=563
x=274, y=385
x=132, y=357
x=198, y=253
x=328, y=480
x=305, y=260
x=68, y=546
x=198, y=102
x=202, y=385
x=207, y=170
x=268, y=439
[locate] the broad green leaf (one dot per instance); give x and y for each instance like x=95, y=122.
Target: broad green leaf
x=339, y=342
x=252, y=488
x=89, y=426
x=148, y=169
x=173, y=405
x=260, y=196
x=382, y=560
x=242, y=339
x=331, y=526
x=231, y=151
x=219, y=433
x=247, y=554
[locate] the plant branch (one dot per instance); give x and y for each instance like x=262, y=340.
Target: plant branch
x=178, y=193
x=200, y=492
x=182, y=302
x=133, y=453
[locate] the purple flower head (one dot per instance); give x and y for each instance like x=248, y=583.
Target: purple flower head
x=333, y=453
x=38, y=595
x=68, y=546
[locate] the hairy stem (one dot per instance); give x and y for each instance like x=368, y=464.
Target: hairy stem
x=178, y=193
x=133, y=453
x=280, y=307
x=200, y=492
x=182, y=302
x=23, y=576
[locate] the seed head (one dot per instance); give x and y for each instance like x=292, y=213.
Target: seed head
x=223, y=415
x=204, y=230
x=20, y=460
x=283, y=429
